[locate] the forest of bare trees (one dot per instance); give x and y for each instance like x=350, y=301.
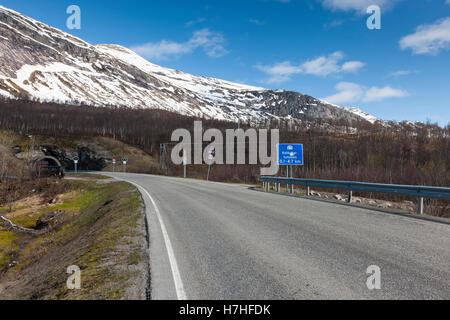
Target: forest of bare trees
x=398, y=153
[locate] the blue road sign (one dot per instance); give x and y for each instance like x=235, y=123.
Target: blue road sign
x=290, y=154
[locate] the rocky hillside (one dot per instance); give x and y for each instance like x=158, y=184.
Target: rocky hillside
x=41, y=63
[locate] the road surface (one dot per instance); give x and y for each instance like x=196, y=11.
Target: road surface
x=227, y=241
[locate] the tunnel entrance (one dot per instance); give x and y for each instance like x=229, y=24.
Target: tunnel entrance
x=48, y=166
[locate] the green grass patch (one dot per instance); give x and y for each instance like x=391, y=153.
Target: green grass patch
x=26, y=220
x=88, y=176
x=134, y=258
x=101, y=221
x=7, y=246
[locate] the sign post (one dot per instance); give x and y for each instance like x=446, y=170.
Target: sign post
x=124, y=161
x=184, y=162
x=290, y=155
x=211, y=157
x=114, y=165
x=75, y=161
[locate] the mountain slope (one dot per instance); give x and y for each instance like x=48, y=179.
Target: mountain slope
x=41, y=63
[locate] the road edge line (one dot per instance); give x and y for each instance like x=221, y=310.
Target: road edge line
x=179, y=287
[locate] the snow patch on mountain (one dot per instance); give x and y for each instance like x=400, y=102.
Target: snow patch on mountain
x=45, y=64
x=372, y=119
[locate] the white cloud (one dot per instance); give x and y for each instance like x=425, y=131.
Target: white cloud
x=194, y=22
x=321, y=66
x=378, y=94
x=257, y=22
x=428, y=39
x=352, y=66
x=401, y=73
x=357, y=5
x=280, y=72
x=334, y=24
x=324, y=65
x=348, y=92
x=210, y=42
x=352, y=93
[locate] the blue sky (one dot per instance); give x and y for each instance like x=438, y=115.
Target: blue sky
x=318, y=47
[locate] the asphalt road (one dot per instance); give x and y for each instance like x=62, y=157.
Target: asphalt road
x=224, y=241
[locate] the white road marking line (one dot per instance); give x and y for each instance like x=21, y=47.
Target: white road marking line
x=181, y=294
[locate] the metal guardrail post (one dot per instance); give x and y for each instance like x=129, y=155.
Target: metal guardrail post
x=308, y=191
x=350, y=196
x=278, y=187
x=420, y=206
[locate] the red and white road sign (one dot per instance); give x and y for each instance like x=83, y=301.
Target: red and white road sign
x=212, y=153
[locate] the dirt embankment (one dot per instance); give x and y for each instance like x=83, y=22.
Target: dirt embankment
x=94, y=153
x=95, y=224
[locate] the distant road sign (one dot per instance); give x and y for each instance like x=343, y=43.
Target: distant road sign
x=113, y=160
x=290, y=154
x=212, y=153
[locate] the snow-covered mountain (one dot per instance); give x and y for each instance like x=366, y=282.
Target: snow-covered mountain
x=38, y=62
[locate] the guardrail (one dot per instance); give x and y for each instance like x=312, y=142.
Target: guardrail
x=418, y=191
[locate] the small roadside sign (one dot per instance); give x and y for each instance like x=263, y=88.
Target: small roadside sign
x=211, y=157
x=124, y=161
x=75, y=161
x=212, y=153
x=290, y=154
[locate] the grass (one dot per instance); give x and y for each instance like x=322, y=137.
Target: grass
x=102, y=234
x=134, y=258
x=116, y=226
x=88, y=176
x=26, y=220
x=7, y=246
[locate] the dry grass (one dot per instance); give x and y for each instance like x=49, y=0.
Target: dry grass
x=138, y=160
x=102, y=232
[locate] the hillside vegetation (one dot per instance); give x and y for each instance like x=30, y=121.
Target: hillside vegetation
x=399, y=153
x=95, y=224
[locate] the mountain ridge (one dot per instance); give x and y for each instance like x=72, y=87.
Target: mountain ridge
x=45, y=64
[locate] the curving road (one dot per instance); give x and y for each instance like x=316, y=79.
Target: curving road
x=226, y=241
